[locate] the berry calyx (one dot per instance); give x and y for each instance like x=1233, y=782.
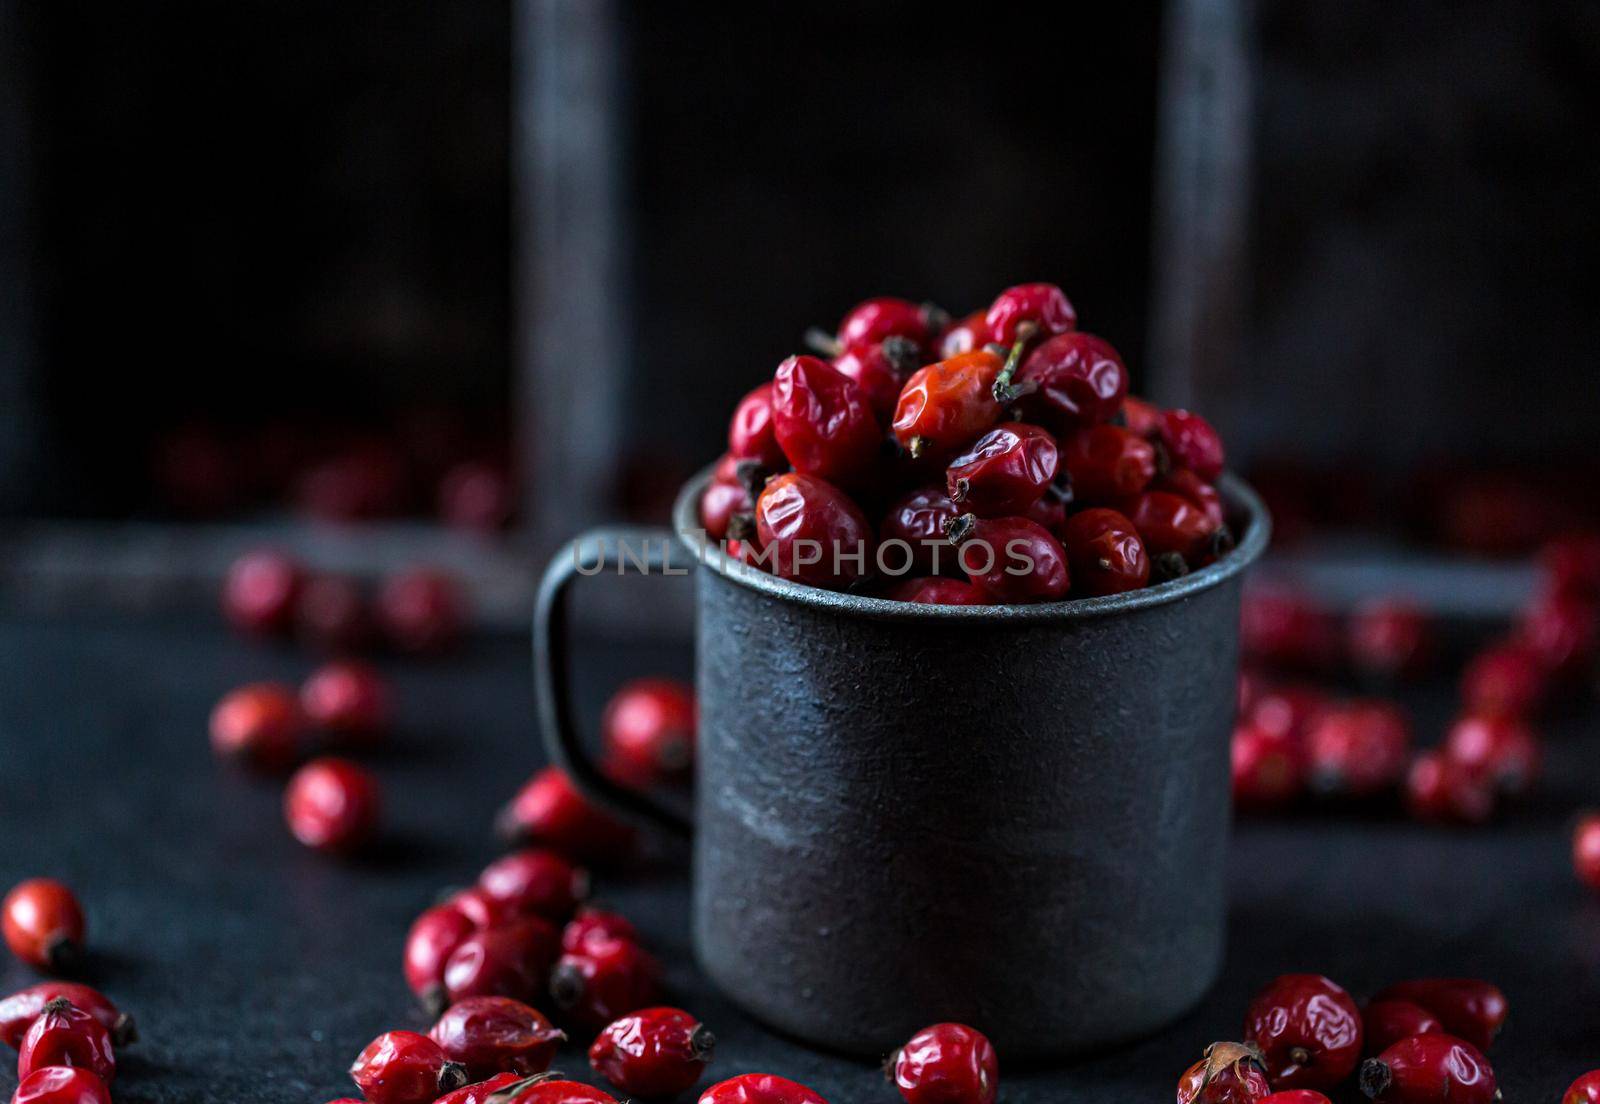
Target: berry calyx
x=1228, y=1073
x=20, y=1009
x=65, y=1035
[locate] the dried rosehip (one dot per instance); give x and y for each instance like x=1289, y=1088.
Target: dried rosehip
x=550, y=811
x=1308, y=1030
x=421, y=610
x=1357, y=749
x=535, y=1091
x=1266, y=768
x=260, y=725
x=1429, y=1069
x=760, y=1088
x=61, y=1085
x=1071, y=381
x=259, y=593
x=1501, y=753
x=603, y=981
x=536, y=881
x=20, y=1009
x=492, y=1035
x=1504, y=680
x=1586, y=850
x=511, y=960
x=947, y=1063
x=751, y=433
x=1288, y=710
x=877, y=320
x=655, y=1052
x=823, y=421
x=1562, y=630
x=812, y=532
x=594, y=927
x=964, y=335
x=479, y=1093
x=648, y=732
x=1104, y=552
x=42, y=923
x=1386, y=1022
x=349, y=700
x=1469, y=1008
x=1004, y=471
x=1171, y=526
x=1283, y=628
x=332, y=805
x=1441, y=790
x=1014, y=559
x=433, y=938
x=880, y=371
x=1585, y=1090
x=1390, y=638
x=402, y=1067
x=945, y=405
x=1041, y=307
x=65, y=1035
x=1108, y=463
x=1227, y=1074
x=918, y=520
x=1192, y=443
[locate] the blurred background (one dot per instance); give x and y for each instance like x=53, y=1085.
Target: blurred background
x=446, y=282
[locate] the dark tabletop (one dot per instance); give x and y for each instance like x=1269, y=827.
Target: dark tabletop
x=258, y=969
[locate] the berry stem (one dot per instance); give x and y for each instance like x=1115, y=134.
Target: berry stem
x=1004, y=391
x=820, y=341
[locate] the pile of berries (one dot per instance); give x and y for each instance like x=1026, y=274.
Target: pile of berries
x=997, y=458
x=66, y=1034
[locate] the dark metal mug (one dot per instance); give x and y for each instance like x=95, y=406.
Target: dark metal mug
x=1010, y=816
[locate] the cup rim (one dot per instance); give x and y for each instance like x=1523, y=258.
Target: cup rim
x=1235, y=492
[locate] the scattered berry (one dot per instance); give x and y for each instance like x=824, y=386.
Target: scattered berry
x=511, y=959
x=550, y=811
x=433, y=938
x=259, y=592
x=648, y=731
x=332, y=805
x=1429, y=1069
x=1500, y=753
x=1441, y=790
x=1266, y=768
x=947, y=1063
x=1469, y=1008
x=259, y=725
x=43, y=925
x=1390, y=639
x=1506, y=680
x=536, y=881
x=493, y=1035
x=594, y=927
x=1386, y=1022
x=603, y=981
x=349, y=700
x=421, y=610
x=1357, y=749
x=1308, y=1030
x=65, y=1035
x=402, y=1067
x=760, y=1088
x=61, y=1085
x=20, y=1009
x=1228, y=1074
x=1585, y=1090
x=654, y=1052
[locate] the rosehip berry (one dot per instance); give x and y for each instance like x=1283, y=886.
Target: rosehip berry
x=1050, y=509
x=479, y=1093
x=964, y=335
x=65, y=1035
x=1266, y=768
x=61, y=1085
x=1429, y=1069
x=43, y=925
x=1284, y=629
x=1177, y=534
x=918, y=519
x=259, y=724
x=1288, y=710
x=1501, y=753
x=1357, y=749
x=536, y=881
x=725, y=496
x=485, y=911
x=549, y=810
x=491, y=1035
x=1586, y=851
x=1390, y=639
x=534, y=1091
x=1186, y=484
x=1570, y=565
x=880, y=371
x=596, y=927
x=1469, y=1008
x=476, y=496
x=1071, y=381
x=259, y=593
x=1143, y=418
x=648, y=731
x=947, y=404
x=332, y=805
x=760, y=1088
x=938, y=592
x=1228, y=1074
x=1004, y=471
x=331, y=614
x=877, y=320
x=1014, y=559
x=947, y=1063
x=1504, y=680
x=1386, y=1022
x=1308, y=1029
x=1043, y=306
x=20, y=1009
x=655, y=1052
x=1585, y=1090
x=1104, y=553
x=510, y=960
x=604, y=981
x=421, y=610
x=1192, y=443
x=402, y=1067
x=813, y=532
x=751, y=433
x=1107, y=463
x=823, y=421
x=1252, y=687
x=1296, y=1096
x=433, y=938
x=349, y=700
x=1441, y=790
x=1561, y=630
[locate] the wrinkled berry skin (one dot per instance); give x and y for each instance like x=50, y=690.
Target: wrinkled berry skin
x=1202, y=495
x=1469, y=1008
x=259, y=725
x=433, y=938
x=1505, y=680
x=1079, y=378
x=1501, y=753
x=760, y=1088
x=812, y=532
x=725, y=496
x=258, y=595
x=43, y=924
x=1385, y=1022
x=648, y=732
x=66, y=1035
x=964, y=335
x=549, y=810
x=1042, y=305
x=594, y=926
x=876, y=320
x=945, y=405
x=1357, y=749
x=20, y=1009
x=1586, y=851
x=1108, y=463
x=1440, y=790
x=402, y=1067
x=1228, y=1074
x=938, y=592
x=823, y=421
x=1004, y=471
x=655, y=1052
x=557, y=1092
x=536, y=881
x=1141, y=417
x=1585, y=1090
x=947, y=1063
x=1192, y=443
x=1266, y=768
x=1171, y=525
x=918, y=519
x=880, y=371
x=1012, y=558
x=1308, y=1029
x=751, y=432
x=492, y=1035
x=1429, y=1069
x=1104, y=553
x=469, y=1094
x=510, y=960
x=603, y=981
x=61, y=1085
x=332, y=805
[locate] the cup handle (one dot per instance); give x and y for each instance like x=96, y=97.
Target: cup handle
x=648, y=548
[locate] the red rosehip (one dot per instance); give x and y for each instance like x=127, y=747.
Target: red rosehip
x=1586, y=850
x=476, y=496
x=1174, y=530
x=510, y=960
x=260, y=725
x=536, y=881
x=421, y=610
x=1570, y=565
x=491, y=1035
x=1585, y=1090
x=655, y=1052
x=823, y=421
x=751, y=433
x=349, y=700
x=1004, y=471
x=945, y=405
x=648, y=731
x=1308, y=1029
x=964, y=335
x=20, y=1009
x=1200, y=494
x=259, y=592
x=61, y=1085
x=725, y=496
x=332, y=805
x=1288, y=710
x=1469, y=1008
x=1143, y=418
x=66, y=1035
x=550, y=811
x=947, y=1063
x=1561, y=629
x=1266, y=768
x=877, y=320
x=1505, y=680
x=1429, y=1069
x=596, y=927
x=1386, y=1022
x=433, y=938
x=478, y=1093
x=604, y=981
x=918, y=520
x=1357, y=749
x=1440, y=789
x=1071, y=381
x=484, y=910
x=938, y=592
x=1501, y=753
x=1107, y=463
x=760, y=1088
x=1043, y=306
x=533, y=1091
x=812, y=532
x=1284, y=629
x=1296, y=1096
x=331, y=614
x=43, y=924
x=1014, y=559
x=880, y=371
x=1192, y=443
x=402, y=1067
x=1104, y=553
x=1228, y=1074
x=1390, y=638
x=1049, y=510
